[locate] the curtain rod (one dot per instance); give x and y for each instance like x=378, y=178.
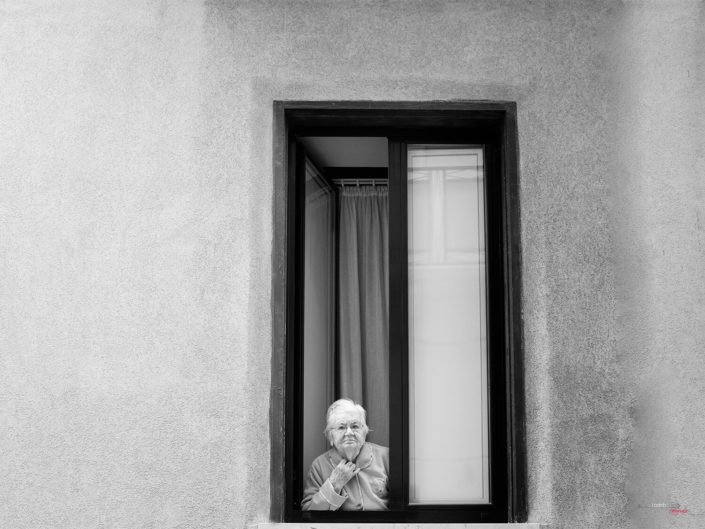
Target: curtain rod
x=357, y=182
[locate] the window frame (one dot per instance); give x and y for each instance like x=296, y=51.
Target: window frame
x=492, y=124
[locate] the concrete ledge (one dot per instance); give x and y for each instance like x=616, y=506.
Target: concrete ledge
x=397, y=526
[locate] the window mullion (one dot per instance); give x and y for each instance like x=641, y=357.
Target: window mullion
x=398, y=328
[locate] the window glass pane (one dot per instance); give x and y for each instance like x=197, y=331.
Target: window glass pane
x=448, y=430
x=319, y=311
x=345, y=339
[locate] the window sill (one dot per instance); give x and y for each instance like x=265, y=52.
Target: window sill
x=397, y=526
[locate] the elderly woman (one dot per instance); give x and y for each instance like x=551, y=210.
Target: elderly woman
x=352, y=475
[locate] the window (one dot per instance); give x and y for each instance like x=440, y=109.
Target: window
x=440, y=309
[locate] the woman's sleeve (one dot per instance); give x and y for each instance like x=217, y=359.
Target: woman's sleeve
x=319, y=494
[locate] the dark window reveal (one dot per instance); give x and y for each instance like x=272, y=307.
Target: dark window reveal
x=397, y=285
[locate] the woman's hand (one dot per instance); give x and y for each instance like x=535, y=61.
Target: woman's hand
x=342, y=474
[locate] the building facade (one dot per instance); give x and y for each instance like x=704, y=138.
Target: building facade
x=137, y=177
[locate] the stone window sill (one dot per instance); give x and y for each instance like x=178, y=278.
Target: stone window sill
x=397, y=526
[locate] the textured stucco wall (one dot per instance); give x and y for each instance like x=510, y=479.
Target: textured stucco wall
x=659, y=190
x=136, y=229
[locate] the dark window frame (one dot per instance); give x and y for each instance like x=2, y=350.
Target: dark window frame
x=492, y=124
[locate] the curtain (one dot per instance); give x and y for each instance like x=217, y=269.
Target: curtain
x=363, y=288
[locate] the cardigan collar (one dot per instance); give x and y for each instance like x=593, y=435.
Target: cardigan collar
x=364, y=458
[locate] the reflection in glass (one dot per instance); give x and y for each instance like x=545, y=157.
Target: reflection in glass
x=319, y=310
x=448, y=430
x=345, y=344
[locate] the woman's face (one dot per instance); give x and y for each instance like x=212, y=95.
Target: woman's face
x=347, y=432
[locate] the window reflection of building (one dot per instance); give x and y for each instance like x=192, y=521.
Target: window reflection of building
x=447, y=319
x=319, y=308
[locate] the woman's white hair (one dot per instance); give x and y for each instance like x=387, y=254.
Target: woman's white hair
x=339, y=405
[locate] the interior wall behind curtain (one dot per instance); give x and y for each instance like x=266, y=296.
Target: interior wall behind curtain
x=363, y=336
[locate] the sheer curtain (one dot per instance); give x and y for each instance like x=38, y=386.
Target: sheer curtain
x=363, y=304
